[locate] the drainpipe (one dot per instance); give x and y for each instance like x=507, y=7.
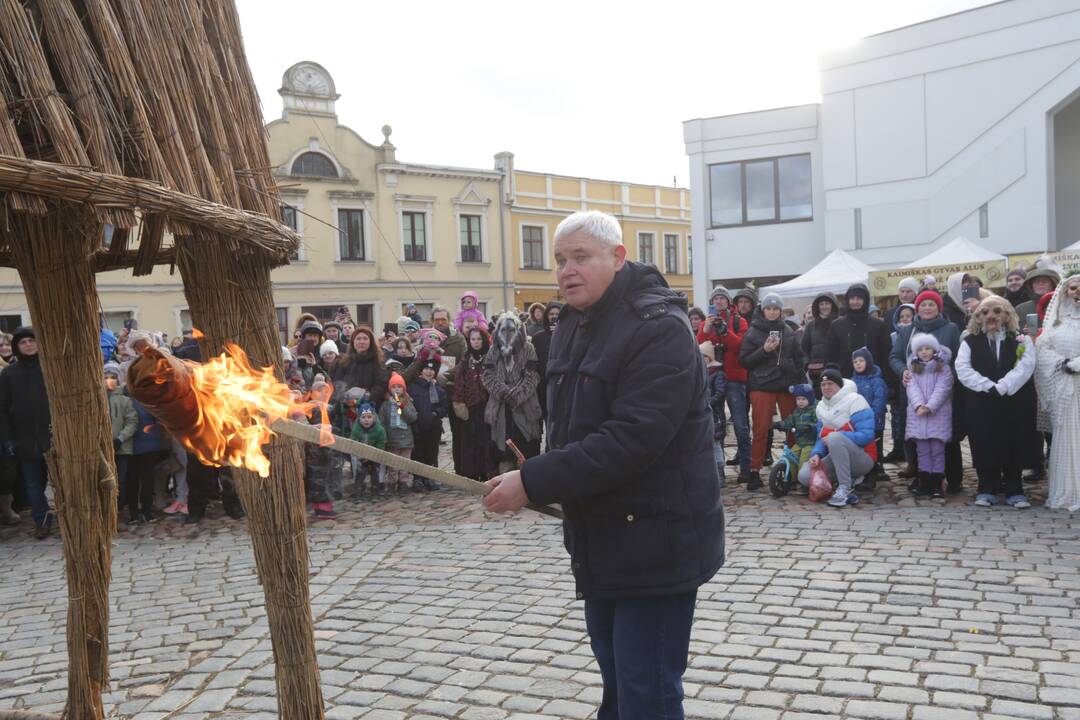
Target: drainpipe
x=504, y=163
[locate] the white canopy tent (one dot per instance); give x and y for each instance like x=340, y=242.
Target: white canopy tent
x=960, y=250
x=835, y=273
x=1072, y=248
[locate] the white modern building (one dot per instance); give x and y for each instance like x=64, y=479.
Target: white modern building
x=963, y=125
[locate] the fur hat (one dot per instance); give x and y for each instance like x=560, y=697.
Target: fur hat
x=772, y=300
x=328, y=347
x=833, y=375
x=805, y=391
x=909, y=283
x=929, y=280
x=112, y=368
x=708, y=350
x=310, y=326
x=930, y=295
x=865, y=354
x=923, y=340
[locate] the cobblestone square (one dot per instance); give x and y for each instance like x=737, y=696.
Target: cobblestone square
x=427, y=607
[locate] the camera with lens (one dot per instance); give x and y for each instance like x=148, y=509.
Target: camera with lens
x=719, y=326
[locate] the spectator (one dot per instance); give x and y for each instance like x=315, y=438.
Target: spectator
x=874, y=312
x=453, y=351
x=511, y=375
x=856, y=329
x=107, y=340
x=930, y=409
x=328, y=355
x=1058, y=362
x=745, y=303
x=815, y=338
x=397, y=414
x=774, y=362
x=725, y=328
x=536, y=322
x=404, y=352
x=1040, y=280
x=1015, y=292
x=348, y=327
x=628, y=460
x=845, y=446
x=363, y=367
x=470, y=399
x=716, y=388
x=802, y=422
x=930, y=320
x=412, y=314
x=150, y=446
x=871, y=385
x=333, y=332
x=125, y=423
x=25, y=423
x=542, y=344
x=956, y=307
x=300, y=322
x=310, y=342
x=907, y=290
x=995, y=366
x=903, y=317
x=697, y=319
x=6, y=356
x=367, y=429
x=322, y=468
x=929, y=283
x=431, y=408
x=470, y=310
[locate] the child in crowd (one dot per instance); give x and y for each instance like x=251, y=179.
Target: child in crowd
x=871, y=385
x=431, y=408
x=716, y=387
x=125, y=423
x=398, y=413
x=905, y=315
x=322, y=471
x=368, y=430
x=328, y=354
x=403, y=351
x=802, y=423
x=929, y=414
x=470, y=309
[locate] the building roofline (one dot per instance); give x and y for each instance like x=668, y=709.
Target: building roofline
x=753, y=112
x=592, y=179
x=936, y=18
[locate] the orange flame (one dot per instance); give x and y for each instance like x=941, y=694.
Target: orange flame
x=237, y=403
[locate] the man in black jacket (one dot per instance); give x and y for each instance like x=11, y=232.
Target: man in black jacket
x=25, y=423
x=629, y=457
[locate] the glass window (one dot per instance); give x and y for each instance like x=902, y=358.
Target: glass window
x=288, y=217
x=645, y=249
x=795, y=187
x=470, y=239
x=766, y=190
x=671, y=252
x=422, y=309
x=282, y=315
x=114, y=319
x=365, y=315
x=351, y=234
x=725, y=188
x=415, y=236
x=10, y=323
x=314, y=164
x=532, y=247
x=760, y=198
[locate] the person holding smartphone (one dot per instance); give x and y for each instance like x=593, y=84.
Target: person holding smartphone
x=774, y=362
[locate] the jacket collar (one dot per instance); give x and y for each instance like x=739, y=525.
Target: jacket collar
x=611, y=297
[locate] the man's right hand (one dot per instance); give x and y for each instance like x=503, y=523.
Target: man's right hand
x=907, y=377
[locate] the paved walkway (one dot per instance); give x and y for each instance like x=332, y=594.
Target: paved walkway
x=427, y=607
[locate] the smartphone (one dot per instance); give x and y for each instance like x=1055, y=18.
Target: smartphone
x=305, y=347
x=1032, y=321
x=774, y=334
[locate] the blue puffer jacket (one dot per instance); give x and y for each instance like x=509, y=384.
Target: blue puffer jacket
x=630, y=446
x=872, y=387
x=150, y=436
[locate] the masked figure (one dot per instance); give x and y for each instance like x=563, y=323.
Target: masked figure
x=511, y=374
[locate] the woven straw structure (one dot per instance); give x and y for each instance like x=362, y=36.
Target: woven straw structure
x=142, y=114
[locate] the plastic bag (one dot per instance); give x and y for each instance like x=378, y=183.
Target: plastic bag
x=820, y=485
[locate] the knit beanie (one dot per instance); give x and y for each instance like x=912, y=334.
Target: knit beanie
x=328, y=347
x=834, y=376
x=355, y=394
x=909, y=283
x=804, y=391
x=929, y=280
x=772, y=300
x=1016, y=272
x=365, y=409
x=396, y=381
x=930, y=295
x=112, y=368
x=866, y=355
x=719, y=291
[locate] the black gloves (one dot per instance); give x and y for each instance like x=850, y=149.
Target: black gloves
x=116, y=443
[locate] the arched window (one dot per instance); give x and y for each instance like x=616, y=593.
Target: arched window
x=313, y=163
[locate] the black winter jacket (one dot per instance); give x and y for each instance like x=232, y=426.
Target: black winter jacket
x=363, y=373
x=629, y=435
x=856, y=329
x=816, y=333
x=771, y=371
x=24, y=409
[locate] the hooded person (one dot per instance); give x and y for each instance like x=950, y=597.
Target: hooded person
x=906, y=291
x=856, y=329
x=995, y=366
x=542, y=344
x=745, y=302
x=1043, y=278
x=774, y=362
x=511, y=376
x=25, y=422
x=536, y=322
x=1058, y=382
x=958, y=295
x=815, y=336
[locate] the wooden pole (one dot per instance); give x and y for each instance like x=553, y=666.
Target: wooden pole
x=230, y=298
x=52, y=254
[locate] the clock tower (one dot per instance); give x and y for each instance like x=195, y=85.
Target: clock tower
x=308, y=88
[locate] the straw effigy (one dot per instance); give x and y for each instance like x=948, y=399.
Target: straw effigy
x=142, y=114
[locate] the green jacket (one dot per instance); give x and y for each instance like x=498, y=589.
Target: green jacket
x=804, y=424
x=125, y=420
x=375, y=437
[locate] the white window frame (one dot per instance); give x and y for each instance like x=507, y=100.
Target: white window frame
x=343, y=204
x=476, y=211
x=678, y=251
x=646, y=232
x=313, y=147
x=521, y=246
x=425, y=205
x=297, y=201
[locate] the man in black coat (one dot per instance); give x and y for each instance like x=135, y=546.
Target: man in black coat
x=856, y=329
x=629, y=457
x=25, y=423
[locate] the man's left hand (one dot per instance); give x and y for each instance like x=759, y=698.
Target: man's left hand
x=508, y=495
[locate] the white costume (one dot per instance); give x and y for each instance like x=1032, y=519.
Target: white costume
x=1059, y=396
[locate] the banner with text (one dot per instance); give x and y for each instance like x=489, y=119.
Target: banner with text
x=886, y=282
x=1069, y=262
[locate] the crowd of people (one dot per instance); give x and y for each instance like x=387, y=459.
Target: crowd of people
x=999, y=371
x=938, y=368
x=397, y=391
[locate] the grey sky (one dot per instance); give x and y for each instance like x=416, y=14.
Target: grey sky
x=598, y=89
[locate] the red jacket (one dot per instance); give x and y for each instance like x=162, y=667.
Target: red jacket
x=730, y=344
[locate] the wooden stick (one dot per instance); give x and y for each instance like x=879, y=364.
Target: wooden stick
x=311, y=434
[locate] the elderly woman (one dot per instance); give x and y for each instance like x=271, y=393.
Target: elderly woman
x=1058, y=378
x=994, y=366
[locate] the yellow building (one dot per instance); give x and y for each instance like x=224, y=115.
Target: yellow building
x=379, y=234
x=655, y=224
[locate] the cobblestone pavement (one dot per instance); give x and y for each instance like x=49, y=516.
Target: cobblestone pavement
x=426, y=607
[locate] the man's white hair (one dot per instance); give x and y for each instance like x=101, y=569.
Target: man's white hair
x=598, y=225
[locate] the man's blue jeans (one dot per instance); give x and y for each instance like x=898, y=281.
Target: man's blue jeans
x=740, y=418
x=641, y=645
x=35, y=476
